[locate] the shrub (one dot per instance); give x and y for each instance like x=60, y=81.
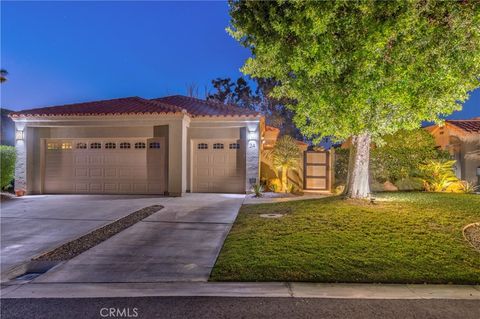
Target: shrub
x=341, y=165
x=438, y=176
x=409, y=184
x=400, y=155
x=7, y=165
x=462, y=187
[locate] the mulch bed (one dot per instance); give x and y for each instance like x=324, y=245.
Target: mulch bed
x=77, y=246
x=472, y=234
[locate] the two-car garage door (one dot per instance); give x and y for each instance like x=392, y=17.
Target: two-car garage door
x=105, y=166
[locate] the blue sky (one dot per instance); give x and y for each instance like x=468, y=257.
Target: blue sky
x=64, y=52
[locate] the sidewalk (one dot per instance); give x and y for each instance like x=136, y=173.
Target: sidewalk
x=235, y=289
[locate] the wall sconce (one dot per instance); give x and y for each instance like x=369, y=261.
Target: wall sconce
x=19, y=135
x=252, y=135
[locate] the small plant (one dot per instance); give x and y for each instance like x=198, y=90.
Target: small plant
x=258, y=190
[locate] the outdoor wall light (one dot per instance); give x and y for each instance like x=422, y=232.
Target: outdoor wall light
x=19, y=135
x=478, y=171
x=252, y=135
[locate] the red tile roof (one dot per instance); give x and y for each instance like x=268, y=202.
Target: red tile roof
x=138, y=105
x=470, y=126
x=198, y=107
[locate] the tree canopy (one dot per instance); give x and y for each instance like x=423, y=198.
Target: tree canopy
x=356, y=67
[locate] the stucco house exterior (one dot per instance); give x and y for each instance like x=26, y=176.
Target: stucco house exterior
x=168, y=145
x=461, y=138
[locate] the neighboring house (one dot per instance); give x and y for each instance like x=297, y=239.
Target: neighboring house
x=315, y=172
x=7, y=132
x=168, y=145
x=461, y=138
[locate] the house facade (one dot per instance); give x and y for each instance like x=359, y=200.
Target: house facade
x=461, y=138
x=169, y=145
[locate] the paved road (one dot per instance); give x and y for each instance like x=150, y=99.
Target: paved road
x=215, y=307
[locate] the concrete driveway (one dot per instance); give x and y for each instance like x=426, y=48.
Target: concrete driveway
x=179, y=243
x=33, y=224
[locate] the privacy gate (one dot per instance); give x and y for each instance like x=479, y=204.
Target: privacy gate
x=316, y=171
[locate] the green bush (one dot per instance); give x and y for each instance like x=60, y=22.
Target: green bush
x=401, y=154
x=341, y=165
x=409, y=184
x=7, y=165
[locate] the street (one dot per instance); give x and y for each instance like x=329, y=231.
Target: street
x=219, y=307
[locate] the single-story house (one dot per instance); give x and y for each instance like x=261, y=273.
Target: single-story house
x=461, y=138
x=168, y=145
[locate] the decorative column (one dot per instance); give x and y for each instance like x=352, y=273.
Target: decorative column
x=21, y=161
x=252, y=156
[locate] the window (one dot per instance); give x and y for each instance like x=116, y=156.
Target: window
x=139, y=145
x=82, y=145
x=234, y=146
x=53, y=146
x=66, y=146
x=218, y=146
x=110, y=145
x=124, y=145
x=154, y=145
x=95, y=145
x=202, y=146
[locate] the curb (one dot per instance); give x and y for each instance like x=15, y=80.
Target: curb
x=242, y=290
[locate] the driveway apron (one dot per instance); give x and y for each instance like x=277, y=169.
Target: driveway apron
x=179, y=243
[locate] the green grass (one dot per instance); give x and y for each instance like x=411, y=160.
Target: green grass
x=405, y=238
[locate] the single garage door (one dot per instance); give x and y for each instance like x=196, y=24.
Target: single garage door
x=218, y=166
x=105, y=166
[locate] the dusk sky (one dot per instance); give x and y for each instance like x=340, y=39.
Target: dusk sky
x=59, y=52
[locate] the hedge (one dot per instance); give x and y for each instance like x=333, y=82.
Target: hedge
x=7, y=164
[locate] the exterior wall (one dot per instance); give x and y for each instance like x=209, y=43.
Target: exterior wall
x=471, y=160
x=464, y=148
x=177, y=157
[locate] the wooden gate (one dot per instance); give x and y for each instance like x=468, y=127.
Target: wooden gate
x=316, y=171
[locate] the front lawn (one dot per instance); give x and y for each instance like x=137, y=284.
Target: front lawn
x=403, y=238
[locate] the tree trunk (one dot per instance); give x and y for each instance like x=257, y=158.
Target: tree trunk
x=284, y=179
x=358, y=184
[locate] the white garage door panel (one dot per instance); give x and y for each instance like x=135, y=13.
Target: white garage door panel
x=217, y=169
x=72, y=169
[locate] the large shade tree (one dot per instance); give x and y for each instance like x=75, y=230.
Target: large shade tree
x=363, y=69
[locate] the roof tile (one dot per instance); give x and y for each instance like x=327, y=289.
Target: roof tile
x=469, y=126
x=138, y=105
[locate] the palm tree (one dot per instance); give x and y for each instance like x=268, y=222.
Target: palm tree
x=285, y=155
x=3, y=75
